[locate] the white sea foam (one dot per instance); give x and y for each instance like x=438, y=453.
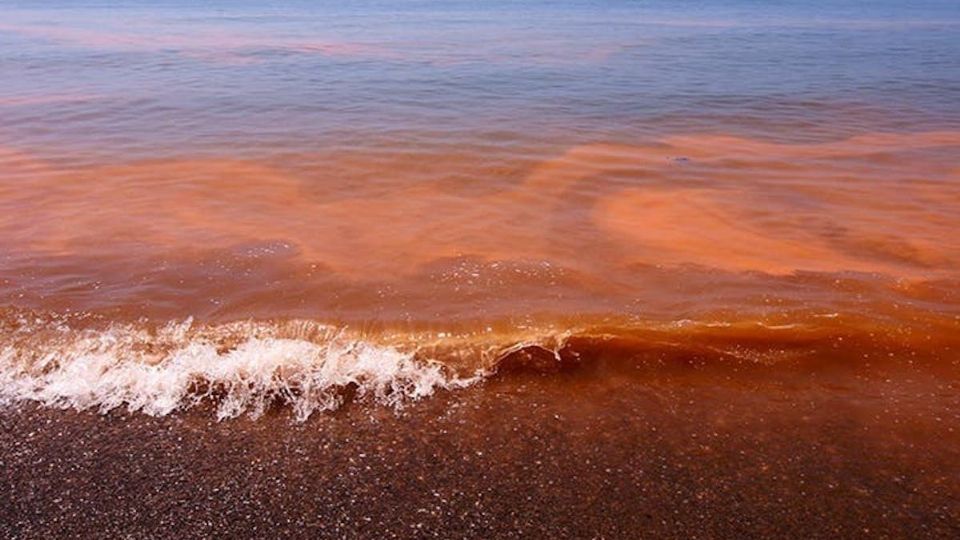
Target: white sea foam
x=242, y=368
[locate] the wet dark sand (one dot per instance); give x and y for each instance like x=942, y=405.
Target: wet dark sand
x=650, y=451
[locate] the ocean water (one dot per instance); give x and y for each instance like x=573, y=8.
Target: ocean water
x=309, y=202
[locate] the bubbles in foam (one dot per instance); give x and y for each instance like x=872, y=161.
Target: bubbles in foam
x=242, y=367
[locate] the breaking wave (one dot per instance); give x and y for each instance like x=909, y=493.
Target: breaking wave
x=247, y=367
x=242, y=367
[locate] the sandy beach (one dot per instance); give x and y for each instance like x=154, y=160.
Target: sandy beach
x=652, y=453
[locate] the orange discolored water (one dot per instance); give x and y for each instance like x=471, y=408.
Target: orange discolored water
x=278, y=193
x=611, y=228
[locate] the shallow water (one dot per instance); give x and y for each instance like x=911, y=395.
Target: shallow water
x=435, y=182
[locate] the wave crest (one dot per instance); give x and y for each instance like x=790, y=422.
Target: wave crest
x=242, y=367
x=87, y=362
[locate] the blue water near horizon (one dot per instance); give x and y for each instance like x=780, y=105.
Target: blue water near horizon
x=148, y=78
